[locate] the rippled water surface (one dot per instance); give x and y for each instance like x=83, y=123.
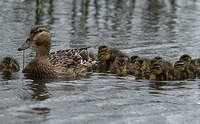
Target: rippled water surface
x=148, y=28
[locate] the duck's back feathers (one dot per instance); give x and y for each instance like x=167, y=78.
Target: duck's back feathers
x=78, y=60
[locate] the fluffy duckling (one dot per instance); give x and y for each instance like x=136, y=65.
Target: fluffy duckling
x=165, y=64
x=120, y=65
x=184, y=71
x=41, y=66
x=105, y=57
x=135, y=68
x=160, y=71
x=134, y=58
x=140, y=67
x=146, y=67
x=186, y=58
x=157, y=72
x=9, y=64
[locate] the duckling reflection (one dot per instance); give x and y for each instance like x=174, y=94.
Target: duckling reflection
x=120, y=66
x=9, y=64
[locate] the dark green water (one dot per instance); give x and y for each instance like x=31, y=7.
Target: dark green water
x=147, y=28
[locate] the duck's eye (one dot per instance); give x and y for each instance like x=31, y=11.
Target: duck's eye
x=40, y=31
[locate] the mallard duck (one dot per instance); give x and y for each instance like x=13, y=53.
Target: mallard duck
x=134, y=58
x=140, y=67
x=105, y=57
x=156, y=72
x=186, y=58
x=135, y=68
x=120, y=65
x=60, y=63
x=9, y=64
x=184, y=71
x=146, y=67
x=165, y=63
x=161, y=72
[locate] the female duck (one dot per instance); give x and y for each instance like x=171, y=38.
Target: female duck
x=41, y=66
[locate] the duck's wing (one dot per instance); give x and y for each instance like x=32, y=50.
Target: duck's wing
x=76, y=59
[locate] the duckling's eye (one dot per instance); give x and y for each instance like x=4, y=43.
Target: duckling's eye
x=118, y=63
x=40, y=31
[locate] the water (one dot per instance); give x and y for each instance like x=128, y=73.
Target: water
x=147, y=28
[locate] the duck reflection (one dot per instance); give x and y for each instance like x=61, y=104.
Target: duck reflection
x=79, y=22
x=50, y=13
x=156, y=87
x=39, y=12
x=39, y=89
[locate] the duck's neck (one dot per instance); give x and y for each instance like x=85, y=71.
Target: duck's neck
x=42, y=51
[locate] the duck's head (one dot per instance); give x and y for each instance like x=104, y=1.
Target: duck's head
x=121, y=63
x=158, y=59
x=179, y=65
x=103, y=54
x=41, y=37
x=134, y=58
x=9, y=64
x=186, y=58
x=137, y=65
x=156, y=69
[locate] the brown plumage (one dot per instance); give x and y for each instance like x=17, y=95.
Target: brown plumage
x=66, y=62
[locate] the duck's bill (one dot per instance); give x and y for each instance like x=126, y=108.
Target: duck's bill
x=25, y=45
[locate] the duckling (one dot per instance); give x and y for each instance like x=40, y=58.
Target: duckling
x=186, y=58
x=135, y=68
x=9, y=64
x=134, y=58
x=140, y=67
x=120, y=65
x=196, y=64
x=41, y=66
x=161, y=72
x=157, y=72
x=146, y=67
x=105, y=57
x=184, y=71
x=165, y=64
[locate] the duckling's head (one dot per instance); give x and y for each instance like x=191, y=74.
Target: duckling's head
x=41, y=37
x=156, y=69
x=134, y=58
x=179, y=65
x=103, y=54
x=121, y=63
x=158, y=59
x=186, y=58
x=9, y=64
x=137, y=65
